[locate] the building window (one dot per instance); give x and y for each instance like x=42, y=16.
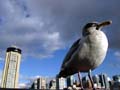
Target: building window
x=13, y=57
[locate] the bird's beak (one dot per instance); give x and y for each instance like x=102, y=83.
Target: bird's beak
x=105, y=23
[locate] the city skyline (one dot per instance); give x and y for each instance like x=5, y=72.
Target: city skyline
x=44, y=31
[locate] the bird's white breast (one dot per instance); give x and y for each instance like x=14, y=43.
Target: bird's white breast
x=98, y=41
x=93, y=49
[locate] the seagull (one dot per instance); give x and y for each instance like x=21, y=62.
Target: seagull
x=86, y=53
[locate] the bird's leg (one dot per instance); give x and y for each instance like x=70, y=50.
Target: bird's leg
x=80, y=80
x=91, y=80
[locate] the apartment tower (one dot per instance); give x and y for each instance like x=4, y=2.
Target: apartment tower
x=11, y=68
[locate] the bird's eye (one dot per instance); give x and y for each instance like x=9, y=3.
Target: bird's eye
x=90, y=25
x=94, y=25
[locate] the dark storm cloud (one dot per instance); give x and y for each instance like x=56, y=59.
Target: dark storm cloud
x=70, y=16
x=37, y=25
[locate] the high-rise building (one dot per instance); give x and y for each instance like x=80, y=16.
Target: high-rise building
x=39, y=83
x=96, y=81
x=86, y=82
x=104, y=81
x=116, y=78
x=60, y=83
x=52, y=84
x=11, y=68
x=70, y=80
x=116, y=82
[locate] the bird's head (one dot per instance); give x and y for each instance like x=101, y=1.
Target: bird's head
x=91, y=27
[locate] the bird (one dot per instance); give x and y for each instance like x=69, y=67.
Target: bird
x=88, y=52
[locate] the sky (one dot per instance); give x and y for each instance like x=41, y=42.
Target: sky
x=45, y=29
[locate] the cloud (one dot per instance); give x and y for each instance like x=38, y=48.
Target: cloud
x=25, y=81
x=30, y=34
x=22, y=85
x=117, y=53
x=70, y=17
x=29, y=78
x=115, y=65
x=40, y=28
x=1, y=59
x=116, y=61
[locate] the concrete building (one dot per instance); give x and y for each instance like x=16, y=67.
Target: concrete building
x=86, y=82
x=116, y=78
x=104, y=81
x=116, y=82
x=96, y=81
x=11, y=68
x=60, y=83
x=52, y=84
x=70, y=80
x=39, y=83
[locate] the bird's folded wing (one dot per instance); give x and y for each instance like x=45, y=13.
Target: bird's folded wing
x=70, y=52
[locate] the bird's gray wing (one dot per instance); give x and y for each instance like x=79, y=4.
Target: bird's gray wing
x=70, y=52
